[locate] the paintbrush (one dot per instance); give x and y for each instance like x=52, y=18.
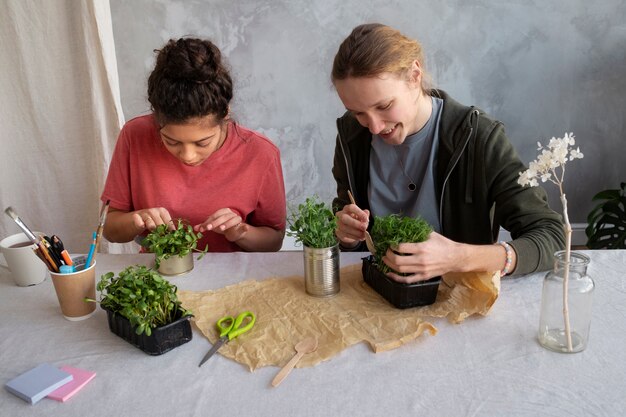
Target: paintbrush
x=12, y=214
x=369, y=242
x=103, y=218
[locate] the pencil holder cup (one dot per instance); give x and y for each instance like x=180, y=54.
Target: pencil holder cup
x=71, y=291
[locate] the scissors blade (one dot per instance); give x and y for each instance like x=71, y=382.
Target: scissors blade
x=214, y=349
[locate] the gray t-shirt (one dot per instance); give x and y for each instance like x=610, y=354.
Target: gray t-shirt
x=402, y=177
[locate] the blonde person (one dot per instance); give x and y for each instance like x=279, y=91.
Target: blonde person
x=403, y=147
x=190, y=160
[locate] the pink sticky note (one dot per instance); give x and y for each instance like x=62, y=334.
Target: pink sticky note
x=81, y=378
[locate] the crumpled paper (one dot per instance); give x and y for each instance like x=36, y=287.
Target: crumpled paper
x=285, y=315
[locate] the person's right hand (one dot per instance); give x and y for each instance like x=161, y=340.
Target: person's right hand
x=227, y=222
x=352, y=223
x=149, y=219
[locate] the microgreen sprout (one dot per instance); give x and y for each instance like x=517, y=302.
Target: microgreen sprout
x=165, y=242
x=141, y=295
x=391, y=230
x=313, y=224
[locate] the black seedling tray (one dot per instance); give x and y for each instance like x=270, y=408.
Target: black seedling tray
x=163, y=339
x=399, y=294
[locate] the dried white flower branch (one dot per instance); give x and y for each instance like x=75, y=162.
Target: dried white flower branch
x=550, y=166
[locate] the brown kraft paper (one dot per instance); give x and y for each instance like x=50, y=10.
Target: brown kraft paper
x=285, y=314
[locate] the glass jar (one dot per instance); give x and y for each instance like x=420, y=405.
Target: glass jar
x=552, y=323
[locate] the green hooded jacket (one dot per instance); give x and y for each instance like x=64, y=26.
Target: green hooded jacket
x=476, y=184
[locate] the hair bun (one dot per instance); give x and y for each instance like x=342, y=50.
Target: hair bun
x=189, y=80
x=193, y=60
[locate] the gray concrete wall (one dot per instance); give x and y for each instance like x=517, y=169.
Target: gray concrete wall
x=542, y=67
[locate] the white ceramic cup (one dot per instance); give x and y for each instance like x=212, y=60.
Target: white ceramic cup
x=26, y=268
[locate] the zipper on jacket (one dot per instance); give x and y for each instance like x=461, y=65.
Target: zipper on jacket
x=445, y=181
x=360, y=245
x=345, y=158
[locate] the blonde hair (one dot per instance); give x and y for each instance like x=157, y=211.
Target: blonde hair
x=372, y=49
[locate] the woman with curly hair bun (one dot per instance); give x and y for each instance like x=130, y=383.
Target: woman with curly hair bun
x=190, y=160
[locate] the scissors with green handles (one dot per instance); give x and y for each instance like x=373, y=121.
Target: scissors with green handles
x=230, y=328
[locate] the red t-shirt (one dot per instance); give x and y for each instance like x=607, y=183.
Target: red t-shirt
x=245, y=175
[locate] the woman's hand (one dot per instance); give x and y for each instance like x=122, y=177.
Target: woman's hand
x=351, y=224
x=124, y=226
x=434, y=257
x=149, y=219
x=226, y=222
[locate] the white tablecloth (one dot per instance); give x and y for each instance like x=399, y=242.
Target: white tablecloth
x=486, y=366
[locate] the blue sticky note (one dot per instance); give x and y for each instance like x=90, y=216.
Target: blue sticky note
x=33, y=385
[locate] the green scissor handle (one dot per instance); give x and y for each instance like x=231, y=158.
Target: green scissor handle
x=231, y=327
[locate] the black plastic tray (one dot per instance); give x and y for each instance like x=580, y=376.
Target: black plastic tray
x=163, y=339
x=399, y=294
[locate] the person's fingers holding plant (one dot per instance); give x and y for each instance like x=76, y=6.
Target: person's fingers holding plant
x=225, y=221
x=413, y=262
x=150, y=218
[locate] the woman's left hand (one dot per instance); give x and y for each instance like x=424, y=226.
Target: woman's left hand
x=226, y=222
x=434, y=257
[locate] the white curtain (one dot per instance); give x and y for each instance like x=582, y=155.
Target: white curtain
x=60, y=116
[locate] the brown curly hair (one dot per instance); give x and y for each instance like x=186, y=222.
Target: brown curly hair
x=189, y=81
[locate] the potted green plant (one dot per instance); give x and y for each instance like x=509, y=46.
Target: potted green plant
x=173, y=248
x=607, y=221
x=388, y=232
x=313, y=225
x=143, y=309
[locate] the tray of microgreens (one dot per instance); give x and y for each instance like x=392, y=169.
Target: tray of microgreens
x=387, y=233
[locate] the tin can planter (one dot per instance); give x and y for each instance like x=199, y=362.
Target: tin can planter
x=321, y=271
x=399, y=294
x=176, y=265
x=162, y=340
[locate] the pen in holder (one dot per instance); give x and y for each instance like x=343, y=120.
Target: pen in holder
x=92, y=250
x=97, y=235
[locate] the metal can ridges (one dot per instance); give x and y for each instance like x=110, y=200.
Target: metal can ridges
x=321, y=271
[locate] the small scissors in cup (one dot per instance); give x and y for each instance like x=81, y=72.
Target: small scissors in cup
x=230, y=328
